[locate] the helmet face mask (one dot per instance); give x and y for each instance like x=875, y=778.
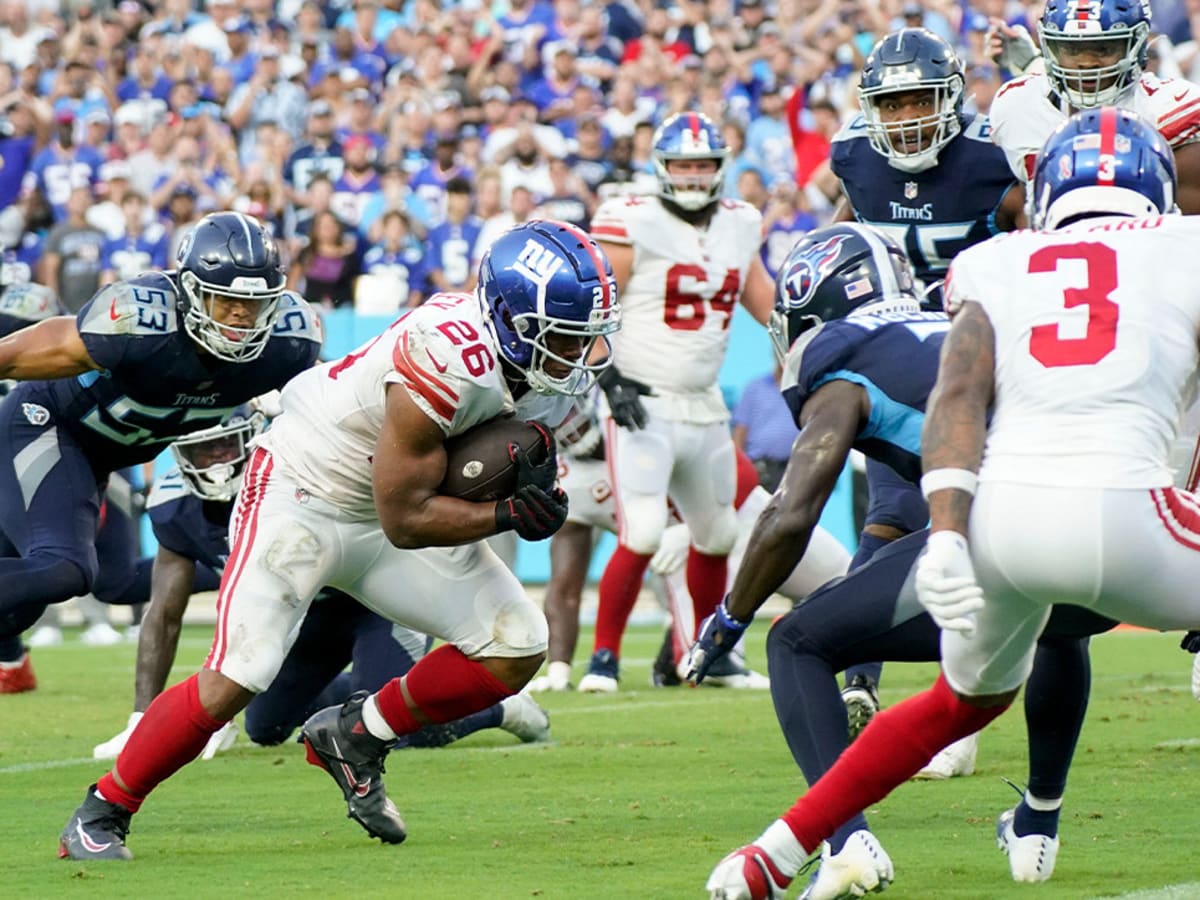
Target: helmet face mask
x=228, y=260
x=690, y=158
x=212, y=461
x=1095, y=50
x=549, y=296
x=1105, y=161
x=838, y=271
x=911, y=95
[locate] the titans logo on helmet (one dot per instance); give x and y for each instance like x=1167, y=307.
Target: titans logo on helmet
x=804, y=274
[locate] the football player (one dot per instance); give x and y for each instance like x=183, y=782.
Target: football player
x=145, y=361
x=343, y=491
x=860, y=358
x=682, y=260
x=1078, y=441
x=189, y=510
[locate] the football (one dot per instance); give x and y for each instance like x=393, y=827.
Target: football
x=477, y=464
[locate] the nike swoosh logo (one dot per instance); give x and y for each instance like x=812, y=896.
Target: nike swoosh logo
x=437, y=365
x=360, y=788
x=112, y=310
x=88, y=844
x=1179, y=96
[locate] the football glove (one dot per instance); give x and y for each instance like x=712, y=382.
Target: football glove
x=1015, y=51
x=624, y=398
x=719, y=633
x=532, y=512
x=946, y=583
x=542, y=474
x=672, y=551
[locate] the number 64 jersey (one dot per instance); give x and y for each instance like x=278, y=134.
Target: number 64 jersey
x=444, y=356
x=1096, y=348
x=678, y=304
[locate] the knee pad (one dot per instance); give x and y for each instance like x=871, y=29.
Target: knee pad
x=519, y=629
x=643, y=520
x=716, y=537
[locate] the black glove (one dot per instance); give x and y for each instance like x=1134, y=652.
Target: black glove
x=542, y=474
x=1190, y=642
x=533, y=513
x=623, y=398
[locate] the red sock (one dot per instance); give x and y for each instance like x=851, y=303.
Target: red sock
x=706, y=582
x=747, y=478
x=445, y=686
x=894, y=747
x=619, y=587
x=170, y=735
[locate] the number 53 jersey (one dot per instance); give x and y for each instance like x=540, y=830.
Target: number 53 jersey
x=678, y=303
x=1096, y=348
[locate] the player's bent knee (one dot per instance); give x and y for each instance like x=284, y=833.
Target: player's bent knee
x=643, y=520
x=519, y=630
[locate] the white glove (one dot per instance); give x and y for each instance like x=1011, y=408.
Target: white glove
x=112, y=748
x=269, y=404
x=1011, y=47
x=221, y=740
x=672, y=551
x=946, y=583
x=1196, y=677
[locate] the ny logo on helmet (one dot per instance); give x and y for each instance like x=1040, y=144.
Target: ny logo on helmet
x=801, y=281
x=537, y=263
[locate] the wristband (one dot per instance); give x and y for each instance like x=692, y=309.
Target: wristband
x=940, y=479
x=723, y=609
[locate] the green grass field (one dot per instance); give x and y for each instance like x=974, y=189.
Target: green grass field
x=639, y=796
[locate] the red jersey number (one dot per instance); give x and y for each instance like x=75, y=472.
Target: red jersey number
x=1045, y=344
x=686, y=310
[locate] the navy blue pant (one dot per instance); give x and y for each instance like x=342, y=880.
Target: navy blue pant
x=873, y=614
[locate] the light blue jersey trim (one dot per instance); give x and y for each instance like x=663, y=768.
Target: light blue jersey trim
x=896, y=423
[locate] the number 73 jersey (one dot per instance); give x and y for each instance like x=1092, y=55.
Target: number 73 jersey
x=678, y=303
x=1096, y=348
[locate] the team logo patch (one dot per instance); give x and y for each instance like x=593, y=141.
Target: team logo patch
x=801, y=279
x=910, y=190
x=37, y=415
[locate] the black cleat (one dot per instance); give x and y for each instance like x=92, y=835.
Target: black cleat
x=861, y=697
x=336, y=739
x=96, y=830
x=664, y=673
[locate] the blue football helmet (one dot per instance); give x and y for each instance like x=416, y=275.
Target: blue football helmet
x=1110, y=35
x=912, y=59
x=230, y=255
x=548, y=290
x=689, y=135
x=213, y=460
x=836, y=271
x=1105, y=161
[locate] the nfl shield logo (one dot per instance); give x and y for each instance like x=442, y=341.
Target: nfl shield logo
x=910, y=190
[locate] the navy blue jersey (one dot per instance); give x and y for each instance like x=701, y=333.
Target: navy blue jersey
x=186, y=524
x=894, y=357
x=156, y=383
x=933, y=214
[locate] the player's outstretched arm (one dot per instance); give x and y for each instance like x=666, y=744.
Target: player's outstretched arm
x=408, y=466
x=171, y=582
x=758, y=296
x=50, y=349
x=828, y=423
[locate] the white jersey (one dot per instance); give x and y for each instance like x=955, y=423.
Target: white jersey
x=441, y=353
x=1024, y=113
x=1096, y=348
x=588, y=490
x=677, y=307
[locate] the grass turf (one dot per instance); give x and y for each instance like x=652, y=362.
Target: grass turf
x=639, y=796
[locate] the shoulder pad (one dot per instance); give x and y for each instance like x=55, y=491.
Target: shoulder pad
x=145, y=305
x=855, y=128
x=977, y=127
x=1018, y=86
x=29, y=302
x=794, y=360
x=611, y=220
x=166, y=489
x=297, y=319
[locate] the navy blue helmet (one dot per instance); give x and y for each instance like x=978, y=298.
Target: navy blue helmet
x=548, y=291
x=1095, y=50
x=212, y=461
x=912, y=59
x=230, y=255
x=833, y=271
x=1103, y=161
x=689, y=135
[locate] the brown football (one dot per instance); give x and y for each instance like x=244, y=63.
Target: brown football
x=478, y=467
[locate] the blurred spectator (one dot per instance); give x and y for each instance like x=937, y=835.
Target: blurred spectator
x=181, y=214
x=186, y=168
x=520, y=210
x=785, y=220
x=525, y=164
x=360, y=120
x=392, y=269
x=763, y=428
x=146, y=79
x=266, y=98
x=113, y=184
x=768, y=139
x=588, y=160
x=358, y=182
x=62, y=166
x=262, y=196
x=450, y=246
x=552, y=93
x=139, y=249
x=155, y=161
x=18, y=140
x=72, y=259
x=320, y=152
x=982, y=83
x=567, y=199
x=430, y=182
x=328, y=264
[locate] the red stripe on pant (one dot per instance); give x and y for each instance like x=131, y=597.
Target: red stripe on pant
x=1179, y=513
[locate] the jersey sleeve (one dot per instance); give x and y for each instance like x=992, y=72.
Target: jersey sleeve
x=611, y=221
x=965, y=281
x=138, y=312
x=1006, y=118
x=1175, y=109
x=299, y=323
x=165, y=506
x=811, y=362
x=840, y=149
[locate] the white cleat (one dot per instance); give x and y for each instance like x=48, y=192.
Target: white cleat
x=860, y=868
x=45, y=636
x=593, y=683
x=101, y=634
x=221, y=740
x=743, y=680
x=747, y=873
x=112, y=748
x=1030, y=858
x=524, y=718
x=954, y=761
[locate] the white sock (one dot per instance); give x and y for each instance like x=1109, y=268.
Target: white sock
x=781, y=845
x=376, y=724
x=559, y=674
x=14, y=664
x=1038, y=804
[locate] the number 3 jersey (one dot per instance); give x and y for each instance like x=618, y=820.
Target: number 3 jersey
x=1095, y=343
x=156, y=384
x=678, y=304
x=444, y=357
